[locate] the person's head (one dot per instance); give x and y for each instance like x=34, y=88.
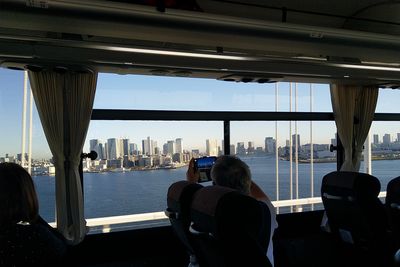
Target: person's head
x=18, y=200
x=231, y=172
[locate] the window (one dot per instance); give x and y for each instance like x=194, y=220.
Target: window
x=143, y=159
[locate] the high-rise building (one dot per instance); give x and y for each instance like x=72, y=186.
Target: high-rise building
x=171, y=147
x=232, y=150
x=165, y=149
x=178, y=145
x=113, y=148
x=154, y=149
x=240, y=150
x=398, y=137
x=133, y=149
x=386, y=139
x=376, y=139
x=294, y=143
x=146, y=146
x=105, y=151
x=250, y=147
x=211, y=147
x=94, y=144
x=125, y=147
x=270, y=145
x=101, y=154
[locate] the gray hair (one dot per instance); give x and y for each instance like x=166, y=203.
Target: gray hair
x=232, y=172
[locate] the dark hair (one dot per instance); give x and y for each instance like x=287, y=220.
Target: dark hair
x=18, y=200
x=231, y=172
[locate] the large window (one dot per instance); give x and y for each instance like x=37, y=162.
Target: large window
x=139, y=160
x=173, y=93
x=12, y=116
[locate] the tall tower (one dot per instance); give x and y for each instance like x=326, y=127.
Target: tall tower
x=171, y=147
x=125, y=147
x=376, y=139
x=178, y=145
x=211, y=147
x=113, y=148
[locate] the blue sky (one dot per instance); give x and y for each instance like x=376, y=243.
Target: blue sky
x=151, y=92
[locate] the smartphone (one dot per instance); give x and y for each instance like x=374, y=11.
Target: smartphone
x=203, y=166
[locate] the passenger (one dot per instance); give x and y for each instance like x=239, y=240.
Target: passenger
x=232, y=172
x=25, y=238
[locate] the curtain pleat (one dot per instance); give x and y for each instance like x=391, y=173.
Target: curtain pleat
x=353, y=108
x=64, y=102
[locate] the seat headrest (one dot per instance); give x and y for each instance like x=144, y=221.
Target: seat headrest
x=393, y=190
x=215, y=209
x=354, y=184
x=180, y=194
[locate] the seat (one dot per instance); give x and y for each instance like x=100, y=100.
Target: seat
x=392, y=203
x=229, y=228
x=355, y=213
x=179, y=198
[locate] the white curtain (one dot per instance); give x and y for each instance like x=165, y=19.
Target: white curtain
x=64, y=102
x=353, y=108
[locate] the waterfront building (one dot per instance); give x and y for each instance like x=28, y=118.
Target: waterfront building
x=145, y=147
x=250, y=147
x=270, y=145
x=125, y=147
x=232, y=150
x=386, y=139
x=240, y=150
x=376, y=139
x=211, y=147
x=171, y=147
x=178, y=145
x=133, y=149
x=113, y=151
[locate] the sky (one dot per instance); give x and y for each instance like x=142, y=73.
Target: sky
x=166, y=93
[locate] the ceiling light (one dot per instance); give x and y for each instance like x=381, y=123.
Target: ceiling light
x=366, y=67
x=174, y=53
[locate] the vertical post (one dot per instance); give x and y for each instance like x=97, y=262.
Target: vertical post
x=30, y=133
x=276, y=147
x=367, y=155
x=227, y=138
x=311, y=149
x=25, y=89
x=290, y=150
x=296, y=143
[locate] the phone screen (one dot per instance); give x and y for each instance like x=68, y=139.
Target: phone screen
x=203, y=165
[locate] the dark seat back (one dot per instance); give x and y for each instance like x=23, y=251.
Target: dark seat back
x=179, y=199
x=229, y=228
x=392, y=203
x=354, y=210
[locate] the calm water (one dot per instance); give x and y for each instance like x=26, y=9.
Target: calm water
x=111, y=194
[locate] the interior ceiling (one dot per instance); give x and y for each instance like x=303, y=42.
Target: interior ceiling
x=249, y=41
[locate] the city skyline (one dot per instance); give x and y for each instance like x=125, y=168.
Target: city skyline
x=151, y=92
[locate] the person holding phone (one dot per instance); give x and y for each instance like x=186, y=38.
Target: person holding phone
x=232, y=172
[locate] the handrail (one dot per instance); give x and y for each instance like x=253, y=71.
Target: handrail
x=107, y=224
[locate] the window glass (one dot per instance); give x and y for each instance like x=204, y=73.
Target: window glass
x=388, y=100
x=385, y=151
x=139, y=160
x=11, y=118
x=254, y=143
x=174, y=93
